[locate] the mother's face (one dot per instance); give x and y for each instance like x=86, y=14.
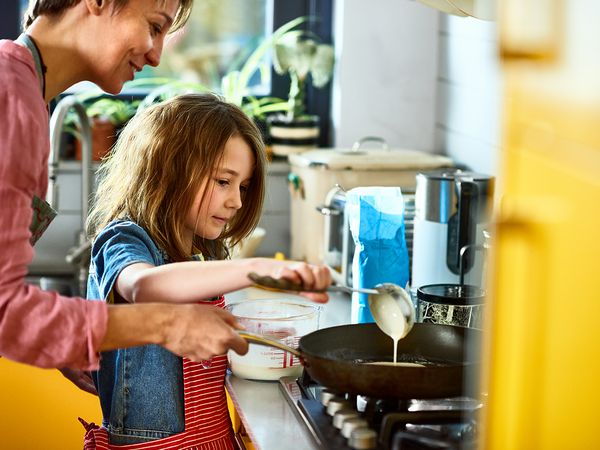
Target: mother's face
x=128, y=40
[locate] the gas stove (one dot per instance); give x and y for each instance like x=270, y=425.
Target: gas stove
x=350, y=422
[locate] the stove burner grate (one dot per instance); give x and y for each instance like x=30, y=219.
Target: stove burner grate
x=399, y=424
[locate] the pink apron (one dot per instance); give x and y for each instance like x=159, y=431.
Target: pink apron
x=207, y=423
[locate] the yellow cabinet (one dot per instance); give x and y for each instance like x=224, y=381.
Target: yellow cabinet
x=39, y=409
x=543, y=340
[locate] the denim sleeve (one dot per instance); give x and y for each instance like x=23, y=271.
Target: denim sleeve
x=118, y=246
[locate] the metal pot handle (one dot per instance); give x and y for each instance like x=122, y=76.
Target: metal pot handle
x=461, y=227
x=356, y=146
x=254, y=338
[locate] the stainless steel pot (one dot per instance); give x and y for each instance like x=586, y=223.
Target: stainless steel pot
x=451, y=304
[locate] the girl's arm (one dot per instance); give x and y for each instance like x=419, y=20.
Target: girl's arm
x=192, y=281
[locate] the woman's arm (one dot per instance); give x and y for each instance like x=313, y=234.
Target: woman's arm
x=198, y=280
x=195, y=331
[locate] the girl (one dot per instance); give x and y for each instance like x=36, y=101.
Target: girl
x=184, y=182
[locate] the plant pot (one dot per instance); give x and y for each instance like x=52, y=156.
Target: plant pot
x=293, y=136
x=103, y=138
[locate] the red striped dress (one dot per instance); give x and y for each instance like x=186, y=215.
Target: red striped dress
x=207, y=423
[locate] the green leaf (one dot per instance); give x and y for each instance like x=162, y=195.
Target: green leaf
x=235, y=87
x=322, y=65
x=229, y=88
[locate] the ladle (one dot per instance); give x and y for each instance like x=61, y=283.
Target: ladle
x=282, y=284
x=390, y=305
x=393, y=311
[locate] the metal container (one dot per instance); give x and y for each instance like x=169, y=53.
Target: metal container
x=451, y=304
x=452, y=212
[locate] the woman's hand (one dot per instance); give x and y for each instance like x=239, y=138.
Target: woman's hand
x=200, y=332
x=80, y=378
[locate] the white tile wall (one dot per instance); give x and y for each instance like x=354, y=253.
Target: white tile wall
x=417, y=78
x=469, y=93
x=386, y=68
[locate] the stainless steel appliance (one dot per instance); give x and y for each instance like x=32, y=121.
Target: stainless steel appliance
x=382, y=406
x=339, y=421
x=452, y=213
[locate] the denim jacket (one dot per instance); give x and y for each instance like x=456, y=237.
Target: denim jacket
x=140, y=388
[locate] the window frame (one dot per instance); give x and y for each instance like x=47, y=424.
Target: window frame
x=318, y=100
x=10, y=20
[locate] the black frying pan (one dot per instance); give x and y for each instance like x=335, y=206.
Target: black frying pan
x=335, y=358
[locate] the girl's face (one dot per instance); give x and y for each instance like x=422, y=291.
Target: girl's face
x=219, y=198
x=128, y=40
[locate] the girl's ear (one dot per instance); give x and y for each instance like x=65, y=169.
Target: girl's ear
x=96, y=7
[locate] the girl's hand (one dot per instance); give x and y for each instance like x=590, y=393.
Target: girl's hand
x=312, y=277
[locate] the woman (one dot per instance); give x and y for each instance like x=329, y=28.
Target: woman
x=67, y=41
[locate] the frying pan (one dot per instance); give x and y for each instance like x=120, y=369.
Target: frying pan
x=335, y=357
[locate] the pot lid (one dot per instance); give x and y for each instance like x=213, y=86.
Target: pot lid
x=453, y=174
x=369, y=159
x=451, y=294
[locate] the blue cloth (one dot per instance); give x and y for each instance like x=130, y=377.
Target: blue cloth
x=376, y=219
x=140, y=388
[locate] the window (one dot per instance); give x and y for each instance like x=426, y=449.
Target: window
x=218, y=37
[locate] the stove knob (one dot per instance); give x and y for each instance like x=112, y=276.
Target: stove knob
x=326, y=395
x=363, y=439
x=335, y=404
x=342, y=415
x=352, y=424
x=361, y=403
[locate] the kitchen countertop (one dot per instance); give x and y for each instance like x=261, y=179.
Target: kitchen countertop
x=267, y=417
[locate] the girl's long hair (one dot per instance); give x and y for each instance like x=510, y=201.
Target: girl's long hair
x=157, y=167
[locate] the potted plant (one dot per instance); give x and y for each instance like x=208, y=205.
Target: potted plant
x=299, y=54
x=235, y=84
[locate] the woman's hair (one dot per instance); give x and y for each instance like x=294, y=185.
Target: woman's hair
x=159, y=163
x=57, y=7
